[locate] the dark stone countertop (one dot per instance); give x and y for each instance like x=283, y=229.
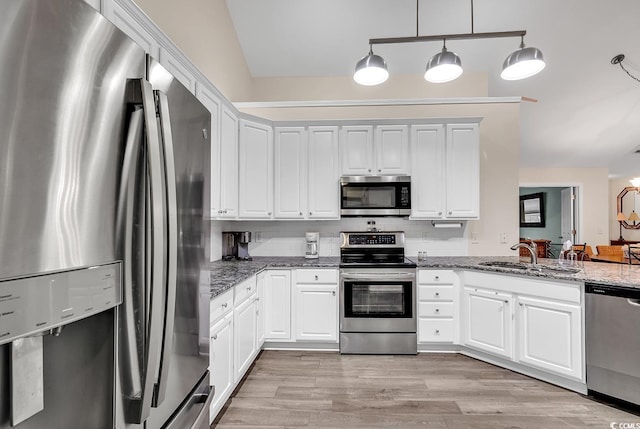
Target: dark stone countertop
x=226, y=274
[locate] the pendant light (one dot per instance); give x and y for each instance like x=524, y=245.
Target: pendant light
x=444, y=66
x=523, y=63
x=371, y=70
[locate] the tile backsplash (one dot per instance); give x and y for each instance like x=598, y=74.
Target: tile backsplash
x=287, y=238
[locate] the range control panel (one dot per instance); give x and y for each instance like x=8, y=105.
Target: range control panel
x=372, y=239
x=34, y=304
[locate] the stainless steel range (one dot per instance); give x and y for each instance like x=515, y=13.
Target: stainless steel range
x=377, y=294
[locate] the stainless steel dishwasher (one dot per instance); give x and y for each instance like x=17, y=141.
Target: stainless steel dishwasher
x=613, y=341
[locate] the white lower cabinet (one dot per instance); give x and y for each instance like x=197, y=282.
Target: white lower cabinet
x=221, y=350
x=245, y=327
x=316, y=305
x=534, y=322
x=488, y=323
x=277, y=305
x=550, y=335
x=260, y=285
x=437, y=306
x=221, y=363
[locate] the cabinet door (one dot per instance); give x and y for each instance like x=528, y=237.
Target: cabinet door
x=221, y=363
x=324, y=173
x=488, y=321
x=178, y=69
x=463, y=171
x=244, y=339
x=228, y=164
x=356, y=144
x=213, y=104
x=392, y=149
x=316, y=309
x=121, y=18
x=428, y=174
x=550, y=336
x=277, y=299
x=290, y=172
x=260, y=285
x=256, y=170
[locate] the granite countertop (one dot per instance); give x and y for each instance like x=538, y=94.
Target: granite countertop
x=226, y=274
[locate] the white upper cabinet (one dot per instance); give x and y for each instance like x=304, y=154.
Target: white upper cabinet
x=392, y=149
x=427, y=179
x=213, y=104
x=324, y=173
x=115, y=12
x=228, y=166
x=463, y=171
x=367, y=150
x=179, y=70
x=256, y=170
x=446, y=171
x=356, y=142
x=290, y=173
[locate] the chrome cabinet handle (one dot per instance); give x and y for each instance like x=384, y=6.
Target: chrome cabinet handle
x=333, y=293
x=225, y=305
x=450, y=212
x=249, y=288
x=437, y=294
x=439, y=213
x=437, y=331
x=257, y=298
x=300, y=213
x=316, y=277
x=436, y=278
x=214, y=337
x=437, y=310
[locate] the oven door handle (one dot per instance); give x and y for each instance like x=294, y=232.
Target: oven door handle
x=376, y=276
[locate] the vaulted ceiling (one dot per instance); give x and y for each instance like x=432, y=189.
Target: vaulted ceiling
x=588, y=110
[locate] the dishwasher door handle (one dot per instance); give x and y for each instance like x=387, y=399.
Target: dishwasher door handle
x=634, y=302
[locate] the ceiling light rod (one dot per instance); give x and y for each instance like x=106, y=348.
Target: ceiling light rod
x=490, y=35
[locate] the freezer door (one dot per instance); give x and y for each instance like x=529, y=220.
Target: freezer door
x=186, y=137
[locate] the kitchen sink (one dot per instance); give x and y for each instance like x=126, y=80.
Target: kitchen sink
x=523, y=266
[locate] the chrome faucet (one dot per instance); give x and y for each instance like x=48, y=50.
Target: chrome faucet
x=533, y=250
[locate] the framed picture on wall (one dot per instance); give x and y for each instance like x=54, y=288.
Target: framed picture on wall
x=532, y=210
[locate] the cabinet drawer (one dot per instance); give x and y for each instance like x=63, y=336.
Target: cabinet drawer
x=434, y=277
x=435, y=309
x=244, y=290
x=317, y=276
x=436, y=293
x=435, y=330
x=220, y=305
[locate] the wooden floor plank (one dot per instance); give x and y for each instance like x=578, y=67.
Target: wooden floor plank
x=298, y=389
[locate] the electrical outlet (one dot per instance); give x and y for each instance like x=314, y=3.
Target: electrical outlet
x=425, y=236
x=503, y=237
x=257, y=236
x=475, y=237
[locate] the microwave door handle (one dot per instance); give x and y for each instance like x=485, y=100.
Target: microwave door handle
x=131, y=383
x=172, y=245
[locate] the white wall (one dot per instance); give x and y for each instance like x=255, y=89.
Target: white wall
x=593, y=201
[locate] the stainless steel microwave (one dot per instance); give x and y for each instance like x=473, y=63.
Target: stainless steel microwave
x=375, y=195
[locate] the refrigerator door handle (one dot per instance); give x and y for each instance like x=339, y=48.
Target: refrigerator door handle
x=151, y=358
x=132, y=381
x=172, y=244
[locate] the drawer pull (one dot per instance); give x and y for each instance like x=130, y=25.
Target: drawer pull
x=437, y=294
x=257, y=298
x=225, y=305
x=437, y=278
x=214, y=337
x=249, y=288
x=316, y=277
x=437, y=310
x=437, y=331
x=333, y=292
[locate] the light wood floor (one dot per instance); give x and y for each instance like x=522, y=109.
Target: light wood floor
x=287, y=389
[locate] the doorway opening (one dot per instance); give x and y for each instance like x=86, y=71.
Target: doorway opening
x=560, y=211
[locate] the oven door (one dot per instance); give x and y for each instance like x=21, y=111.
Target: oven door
x=377, y=300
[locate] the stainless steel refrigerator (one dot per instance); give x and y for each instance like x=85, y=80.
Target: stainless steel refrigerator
x=104, y=185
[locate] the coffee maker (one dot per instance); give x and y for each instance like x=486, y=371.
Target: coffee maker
x=312, y=245
x=235, y=245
